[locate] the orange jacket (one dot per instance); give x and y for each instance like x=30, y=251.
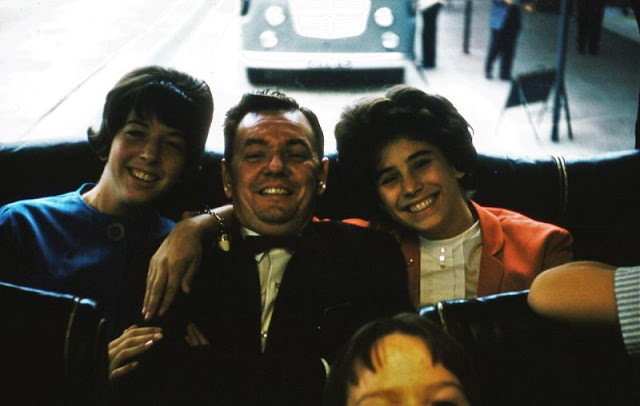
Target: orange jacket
x=515, y=248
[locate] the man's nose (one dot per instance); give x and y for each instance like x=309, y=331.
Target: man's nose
x=276, y=164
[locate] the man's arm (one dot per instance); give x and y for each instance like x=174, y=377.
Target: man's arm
x=178, y=258
x=577, y=291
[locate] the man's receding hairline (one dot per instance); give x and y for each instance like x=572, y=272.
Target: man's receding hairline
x=283, y=111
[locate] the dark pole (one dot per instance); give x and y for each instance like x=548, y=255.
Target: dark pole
x=468, y=8
x=561, y=59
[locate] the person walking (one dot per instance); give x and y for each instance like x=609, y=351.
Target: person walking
x=429, y=10
x=505, y=22
x=590, y=14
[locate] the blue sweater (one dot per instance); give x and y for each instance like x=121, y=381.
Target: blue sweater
x=62, y=244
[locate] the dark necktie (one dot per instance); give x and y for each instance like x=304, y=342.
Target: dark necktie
x=261, y=243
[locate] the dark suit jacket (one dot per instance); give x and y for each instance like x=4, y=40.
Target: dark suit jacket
x=340, y=277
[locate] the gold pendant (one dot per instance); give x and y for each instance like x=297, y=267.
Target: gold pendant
x=224, y=242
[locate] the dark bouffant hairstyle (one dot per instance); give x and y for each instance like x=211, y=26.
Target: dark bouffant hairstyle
x=358, y=350
x=365, y=128
x=174, y=98
x=267, y=100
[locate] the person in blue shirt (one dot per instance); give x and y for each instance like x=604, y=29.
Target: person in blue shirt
x=505, y=23
x=96, y=242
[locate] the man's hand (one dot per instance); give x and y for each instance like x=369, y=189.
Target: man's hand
x=194, y=336
x=133, y=342
x=177, y=260
x=174, y=263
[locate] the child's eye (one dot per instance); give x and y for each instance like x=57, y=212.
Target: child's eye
x=422, y=163
x=387, y=180
x=135, y=133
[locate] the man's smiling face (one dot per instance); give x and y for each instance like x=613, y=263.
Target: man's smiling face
x=275, y=174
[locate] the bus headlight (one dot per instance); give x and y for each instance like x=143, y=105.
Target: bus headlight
x=390, y=40
x=383, y=17
x=268, y=39
x=274, y=15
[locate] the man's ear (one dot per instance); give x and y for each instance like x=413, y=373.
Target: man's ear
x=226, y=178
x=323, y=175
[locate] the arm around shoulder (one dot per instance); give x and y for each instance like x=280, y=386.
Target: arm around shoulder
x=178, y=259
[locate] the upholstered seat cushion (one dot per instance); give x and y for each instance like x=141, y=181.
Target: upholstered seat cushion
x=524, y=359
x=53, y=349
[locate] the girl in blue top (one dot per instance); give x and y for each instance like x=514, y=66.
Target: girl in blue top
x=96, y=242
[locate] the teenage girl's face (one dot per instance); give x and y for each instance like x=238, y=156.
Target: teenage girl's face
x=146, y=159
x=405, y=375
x=419, y=189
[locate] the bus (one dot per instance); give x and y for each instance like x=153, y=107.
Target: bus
x=326, y=35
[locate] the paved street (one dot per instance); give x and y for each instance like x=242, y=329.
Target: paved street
x=61, y=57
x=602, y=90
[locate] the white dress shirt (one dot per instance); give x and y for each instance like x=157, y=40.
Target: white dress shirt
x=271, y=267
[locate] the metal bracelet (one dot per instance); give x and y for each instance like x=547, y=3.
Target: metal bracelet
x=224, y=242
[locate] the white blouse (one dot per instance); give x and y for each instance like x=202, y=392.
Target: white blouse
x=449, y=268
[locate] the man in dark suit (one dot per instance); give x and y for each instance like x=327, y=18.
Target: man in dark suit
x=272, y=314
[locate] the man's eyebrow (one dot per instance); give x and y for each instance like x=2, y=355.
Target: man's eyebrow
x=298, y=141
x=253, y=141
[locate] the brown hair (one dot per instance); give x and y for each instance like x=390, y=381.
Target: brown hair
x=174, y=98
